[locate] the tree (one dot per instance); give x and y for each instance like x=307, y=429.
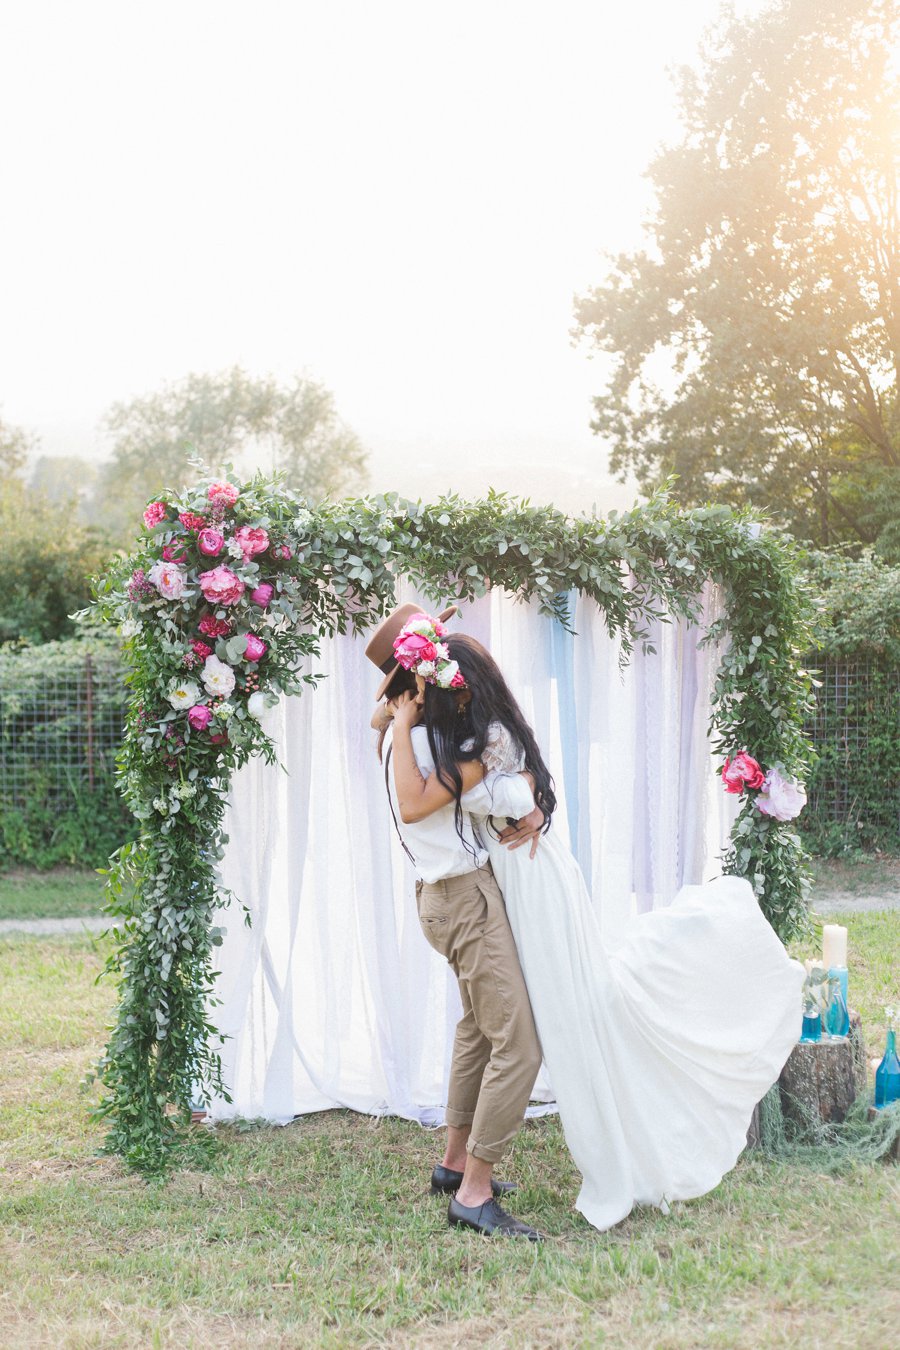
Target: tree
x=755, y=342
x=46, y=560
x=69, y=479
x=15, y=447
x=229, y=416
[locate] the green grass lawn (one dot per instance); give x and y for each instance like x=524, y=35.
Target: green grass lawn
x=62, y=893
x=321, y=1234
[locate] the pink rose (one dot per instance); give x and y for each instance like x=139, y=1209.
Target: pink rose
x=458, y=681
x=226, y=493
x=168, y=578
x=199, y=716
x=201, y=649
x=214, y=627
x=282, y=551
x=154, y=513
x=262, y=595
x=255, y=648
x=169, y=555
x=251, y=540
x=221, y=586
x=220, y=738
x=210, y=542
x=191, y=521
x=742, y=772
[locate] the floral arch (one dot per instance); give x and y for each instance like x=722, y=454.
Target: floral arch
x=223, y=602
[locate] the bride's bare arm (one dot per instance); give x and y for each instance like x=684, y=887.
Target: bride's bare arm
x=418, y=796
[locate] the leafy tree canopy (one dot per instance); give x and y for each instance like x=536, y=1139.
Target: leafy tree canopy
x=858, y=604
x=755, y=341
x=223, y=417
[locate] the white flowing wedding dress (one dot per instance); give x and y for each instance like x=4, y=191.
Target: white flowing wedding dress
x=657, y=1052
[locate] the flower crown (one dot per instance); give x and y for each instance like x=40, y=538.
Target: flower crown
x=418, y=648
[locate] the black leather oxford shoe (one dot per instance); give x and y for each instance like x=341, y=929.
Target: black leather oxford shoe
x=490, y=1219
x=444, y=1181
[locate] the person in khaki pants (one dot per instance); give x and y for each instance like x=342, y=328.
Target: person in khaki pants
x=496, y=1052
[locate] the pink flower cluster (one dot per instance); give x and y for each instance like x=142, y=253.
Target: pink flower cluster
x=221, y=586
x=418, y=648
x=779, y=797
x=742, y=772
x=154, y=513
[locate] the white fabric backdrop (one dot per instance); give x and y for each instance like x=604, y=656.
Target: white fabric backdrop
x=332, y=997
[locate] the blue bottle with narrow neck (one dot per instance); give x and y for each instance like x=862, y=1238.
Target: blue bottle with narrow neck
x=887, y=1075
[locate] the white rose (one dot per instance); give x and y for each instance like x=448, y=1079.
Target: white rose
x=447, y=673
x=259, y=703
x=217, y=677
x=183, y=693
x=425, y=668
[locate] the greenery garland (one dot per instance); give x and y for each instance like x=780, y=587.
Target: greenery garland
x=221, y=608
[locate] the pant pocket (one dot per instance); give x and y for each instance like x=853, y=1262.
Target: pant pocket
x=436, y=928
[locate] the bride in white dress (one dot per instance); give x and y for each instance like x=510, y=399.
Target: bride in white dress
x=657, y=1052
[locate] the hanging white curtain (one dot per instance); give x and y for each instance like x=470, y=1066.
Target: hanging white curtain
x=332, y=997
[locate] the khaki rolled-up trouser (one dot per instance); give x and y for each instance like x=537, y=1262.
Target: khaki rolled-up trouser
x=496, y=1053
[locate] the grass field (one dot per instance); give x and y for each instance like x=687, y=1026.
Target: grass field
x=66, y=892
x=321, y=1234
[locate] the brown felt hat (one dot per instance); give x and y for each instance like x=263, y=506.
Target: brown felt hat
x=380, y=646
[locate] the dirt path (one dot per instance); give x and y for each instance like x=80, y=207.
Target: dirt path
x=825, y=903
x=92, y=923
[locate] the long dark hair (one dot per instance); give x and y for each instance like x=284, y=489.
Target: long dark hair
x=458, y=725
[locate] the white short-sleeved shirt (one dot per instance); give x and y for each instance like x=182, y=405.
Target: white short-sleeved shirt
x=435, y=845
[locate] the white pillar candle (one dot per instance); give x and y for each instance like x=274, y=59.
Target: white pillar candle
x=834, y=945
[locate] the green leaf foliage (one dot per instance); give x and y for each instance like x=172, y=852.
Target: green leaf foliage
x=332, y=566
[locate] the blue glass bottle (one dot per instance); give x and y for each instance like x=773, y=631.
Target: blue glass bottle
x=837, y=1018
x=812, y=1027
x=887, y=1075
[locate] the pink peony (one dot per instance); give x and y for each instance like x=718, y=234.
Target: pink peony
x=154, y=513
x=168, y=578
x=221, y=586
x=742, y=772
x=169, y=555
x=214, y=627
x=256, y=648
x=781, y=798
x=224, y=493
x=252, y=540
x=199, y=716
x=413, y=647
x=262, y=595
x=210, y=542
x=201, y=649
x=191, y=521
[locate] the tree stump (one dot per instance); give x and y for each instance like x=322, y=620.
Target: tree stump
x=821, y=1079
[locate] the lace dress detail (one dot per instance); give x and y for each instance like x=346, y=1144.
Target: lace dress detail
x=502, y=753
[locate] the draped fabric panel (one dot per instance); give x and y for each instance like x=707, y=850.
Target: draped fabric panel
x=332, y=997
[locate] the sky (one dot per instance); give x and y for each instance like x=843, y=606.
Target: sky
x=399, y=198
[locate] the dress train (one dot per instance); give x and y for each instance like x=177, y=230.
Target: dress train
x=658, y=1051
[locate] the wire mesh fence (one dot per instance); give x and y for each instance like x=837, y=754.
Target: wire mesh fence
x=854, y=790
x=63, y=729
x=62, y=712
